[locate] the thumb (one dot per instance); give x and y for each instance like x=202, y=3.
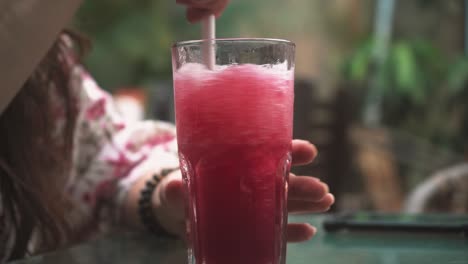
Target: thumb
x=173, y=196
x=168, y=202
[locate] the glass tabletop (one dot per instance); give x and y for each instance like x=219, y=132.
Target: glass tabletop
x=325, y=248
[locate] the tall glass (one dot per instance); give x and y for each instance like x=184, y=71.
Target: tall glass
x=234, y=131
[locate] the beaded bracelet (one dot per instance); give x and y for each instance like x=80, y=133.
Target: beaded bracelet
x=145, y=208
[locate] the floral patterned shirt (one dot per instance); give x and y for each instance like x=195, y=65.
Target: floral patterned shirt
x=109, y=155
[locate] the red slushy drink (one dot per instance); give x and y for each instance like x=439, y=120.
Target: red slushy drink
x=234, y=127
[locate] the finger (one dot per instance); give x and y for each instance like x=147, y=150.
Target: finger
x=306, y=188
x=216, y=6
x=197, y=3
x=196, y=14
x=311, y=207
x=219, y=7
x=173, y=198
x=299, y=232
x=303, y=152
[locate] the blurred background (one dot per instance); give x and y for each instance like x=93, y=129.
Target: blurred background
x=381, y=86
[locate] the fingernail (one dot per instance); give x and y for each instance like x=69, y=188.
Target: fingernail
x=327, y=188
x=316, y=150
x=314, y=230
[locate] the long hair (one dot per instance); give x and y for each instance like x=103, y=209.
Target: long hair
x=34, y=161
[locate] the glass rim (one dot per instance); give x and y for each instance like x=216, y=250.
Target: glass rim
x=226, y=40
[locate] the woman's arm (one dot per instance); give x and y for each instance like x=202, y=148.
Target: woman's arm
x=168, y=204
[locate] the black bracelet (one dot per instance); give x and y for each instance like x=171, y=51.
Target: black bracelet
x=145, y=208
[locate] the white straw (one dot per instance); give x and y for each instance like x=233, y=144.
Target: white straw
x=208, y=34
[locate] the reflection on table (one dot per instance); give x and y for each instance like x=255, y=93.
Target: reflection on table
x=325, y=248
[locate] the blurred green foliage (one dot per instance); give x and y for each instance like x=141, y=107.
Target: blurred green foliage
x=423, y=91
x=132, y=39
x=423, y=87
x=410, y=70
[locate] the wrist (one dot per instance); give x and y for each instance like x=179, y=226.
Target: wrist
x=148, y=202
